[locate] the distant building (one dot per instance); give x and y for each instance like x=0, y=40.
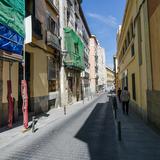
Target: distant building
x=110, y=74
x=93, y=60
x=101, y=68
x=116, y=81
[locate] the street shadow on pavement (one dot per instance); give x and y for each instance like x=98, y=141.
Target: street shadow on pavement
x=99, y=133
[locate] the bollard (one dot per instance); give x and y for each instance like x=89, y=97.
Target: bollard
x=83, y=100
x=119, y=131
x=33, y=124
x=65, y=110
x=115, y=113
x=114, y=102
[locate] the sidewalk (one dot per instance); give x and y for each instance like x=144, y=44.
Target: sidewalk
x=9, y=136
x=139, y=141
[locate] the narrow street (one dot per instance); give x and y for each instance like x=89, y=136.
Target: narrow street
x=79, y=80
x=86, y=134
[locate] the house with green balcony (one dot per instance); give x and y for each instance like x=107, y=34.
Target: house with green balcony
x=74, y=64
x=75, y=50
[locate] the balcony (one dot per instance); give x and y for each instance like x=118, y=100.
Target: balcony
x=53, y=40
x=54, y=4
x=73, y=61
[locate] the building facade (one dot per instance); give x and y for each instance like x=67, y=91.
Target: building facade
x=153, y=93
x=86, y=34
x=93, y=60
x=110, y=74
x=10, y=56
x=43, y=56
x=133, y=55
x=116, y=79
x=101, y=68
x=75, y=34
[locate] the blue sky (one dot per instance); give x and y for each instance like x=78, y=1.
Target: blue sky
x=104, y=17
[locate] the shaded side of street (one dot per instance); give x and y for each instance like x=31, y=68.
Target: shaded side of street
x=99, y=133
x=139, y=141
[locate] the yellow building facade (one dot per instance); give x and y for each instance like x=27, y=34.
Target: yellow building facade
x=154, y=33
x=138, y=57
x=43, y=56
x=133, y=54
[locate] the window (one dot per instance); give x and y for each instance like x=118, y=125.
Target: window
x=126, y=44
x=132, y=50
x=53, y=75
x=123, y=51
x=30, y=7
x=139, y=41
x=76, y=48
x=132, y=30
x=52, y=26
x=133, y=86
x=128, y=37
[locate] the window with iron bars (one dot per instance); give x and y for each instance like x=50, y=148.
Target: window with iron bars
x=53, y=26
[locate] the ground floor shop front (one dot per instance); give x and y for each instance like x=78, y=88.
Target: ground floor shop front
x=42, y=76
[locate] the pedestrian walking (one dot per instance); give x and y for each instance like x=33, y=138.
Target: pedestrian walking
x=125, y=98
x=119, y=94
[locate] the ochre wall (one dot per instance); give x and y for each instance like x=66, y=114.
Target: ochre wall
x=130, y=64
x=155, y=47
x=14, y=79
x=39, y=72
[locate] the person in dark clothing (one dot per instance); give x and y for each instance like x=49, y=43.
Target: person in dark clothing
x=119, y=94
x=125, y=97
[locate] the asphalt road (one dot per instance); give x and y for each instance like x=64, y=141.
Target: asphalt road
x=86, y=134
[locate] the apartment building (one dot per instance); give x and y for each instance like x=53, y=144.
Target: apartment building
x=110, y=74
x=153, y=93
x=74, y=45
x=93, y=60
x=133, y=55
x=86, y=34
x=42, y=56
x=101, y=68
x=138, y=55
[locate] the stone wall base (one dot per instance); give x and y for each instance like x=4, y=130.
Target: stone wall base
x=153, y=100
x=138, y=110
x=39, y=104
x=4, y=113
